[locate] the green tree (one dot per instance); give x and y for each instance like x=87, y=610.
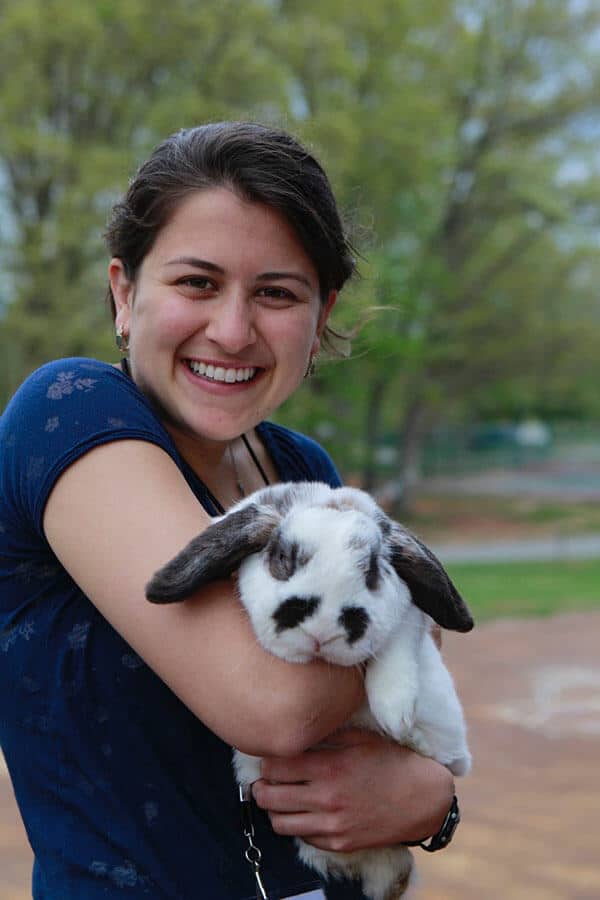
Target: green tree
x=458, y=121
x=87, y=89
x=460, y=135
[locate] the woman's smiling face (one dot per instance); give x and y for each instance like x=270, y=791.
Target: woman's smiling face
x=222, y=317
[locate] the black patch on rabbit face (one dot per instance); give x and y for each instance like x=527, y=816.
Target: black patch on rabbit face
x=355, y=620
x=293, y=611
x=369, y=564
x=372, y=572
x=285, y=558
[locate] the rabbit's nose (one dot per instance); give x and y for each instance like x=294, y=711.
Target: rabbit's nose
x=293, y=611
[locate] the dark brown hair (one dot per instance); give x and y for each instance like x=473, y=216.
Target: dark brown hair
x=261, y=164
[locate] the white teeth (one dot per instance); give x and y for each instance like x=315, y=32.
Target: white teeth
x=220, y=373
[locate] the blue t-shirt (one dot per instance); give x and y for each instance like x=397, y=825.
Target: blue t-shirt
x=123, y=791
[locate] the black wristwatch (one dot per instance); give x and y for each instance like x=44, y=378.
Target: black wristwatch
x=444, y=835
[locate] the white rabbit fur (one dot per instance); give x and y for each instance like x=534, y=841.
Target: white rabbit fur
x=323, y=572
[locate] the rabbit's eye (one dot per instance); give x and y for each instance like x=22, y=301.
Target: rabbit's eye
x=285, y=559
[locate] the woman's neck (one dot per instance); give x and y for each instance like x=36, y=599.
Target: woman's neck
x=230, y=469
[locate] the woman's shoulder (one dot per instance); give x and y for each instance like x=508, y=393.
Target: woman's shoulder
x=75, y=386
x=60, y=412
x=70, y=374
x=297, y=456
x=63, y=378
x=72, y=396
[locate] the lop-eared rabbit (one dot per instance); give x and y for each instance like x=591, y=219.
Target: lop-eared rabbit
x=324, y=573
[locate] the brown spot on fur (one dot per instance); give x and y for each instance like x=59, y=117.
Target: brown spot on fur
x=400, y=886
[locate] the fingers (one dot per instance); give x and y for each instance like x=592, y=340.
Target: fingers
x=320, y=811
x=310, y=796
x=288, y=798
x=328, y=831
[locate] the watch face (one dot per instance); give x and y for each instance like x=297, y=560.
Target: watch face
x=452, y=820
x=446, y=832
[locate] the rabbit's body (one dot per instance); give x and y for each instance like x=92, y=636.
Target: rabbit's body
x=323, y=573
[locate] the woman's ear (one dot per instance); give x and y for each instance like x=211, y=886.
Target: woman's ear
x=122, y=288
x=322, y=322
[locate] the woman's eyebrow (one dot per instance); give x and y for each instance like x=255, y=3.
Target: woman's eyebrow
x=212, y=267
x=196, y=263
x=294, y=276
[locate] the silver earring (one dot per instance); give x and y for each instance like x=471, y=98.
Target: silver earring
x=122, y=341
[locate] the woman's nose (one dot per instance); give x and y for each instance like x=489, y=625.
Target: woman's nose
x=231, y=325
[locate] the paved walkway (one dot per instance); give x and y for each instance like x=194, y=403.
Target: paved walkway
x=531, y=806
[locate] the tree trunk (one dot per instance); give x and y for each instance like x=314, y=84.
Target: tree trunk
x=372, y=432
x=412, y=436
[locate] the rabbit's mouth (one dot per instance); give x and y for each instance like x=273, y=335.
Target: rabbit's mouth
x=329, y=649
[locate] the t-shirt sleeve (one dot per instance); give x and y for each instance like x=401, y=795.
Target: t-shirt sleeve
x=60, y=412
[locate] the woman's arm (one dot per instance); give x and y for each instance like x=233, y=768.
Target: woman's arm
x=363, y=791
x=113, y=518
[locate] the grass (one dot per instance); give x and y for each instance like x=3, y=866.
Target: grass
x=518, y=589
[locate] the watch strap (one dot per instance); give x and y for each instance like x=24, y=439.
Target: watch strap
x=443, y=837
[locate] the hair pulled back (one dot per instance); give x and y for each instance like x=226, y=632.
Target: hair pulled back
x=261, y=164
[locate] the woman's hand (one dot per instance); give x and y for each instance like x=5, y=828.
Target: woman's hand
x=361, y=791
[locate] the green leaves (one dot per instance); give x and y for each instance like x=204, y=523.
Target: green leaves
x=461, y=138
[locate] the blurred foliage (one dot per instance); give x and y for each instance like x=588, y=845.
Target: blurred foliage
x=461, y=138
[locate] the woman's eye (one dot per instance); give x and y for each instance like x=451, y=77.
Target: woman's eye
x=196, y=282
x=196, y=287
x=276, y=293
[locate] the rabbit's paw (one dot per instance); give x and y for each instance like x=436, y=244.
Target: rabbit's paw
x=395, y=715
x=247, y=768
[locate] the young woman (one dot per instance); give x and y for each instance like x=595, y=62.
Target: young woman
x=116, y=715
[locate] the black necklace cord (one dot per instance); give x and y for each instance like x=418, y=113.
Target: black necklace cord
x=255, y=460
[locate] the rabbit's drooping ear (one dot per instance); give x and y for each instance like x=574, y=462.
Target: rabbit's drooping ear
x=429, y=583
x=213, y=554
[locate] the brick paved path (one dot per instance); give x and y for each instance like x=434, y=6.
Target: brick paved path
x=531, y=807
